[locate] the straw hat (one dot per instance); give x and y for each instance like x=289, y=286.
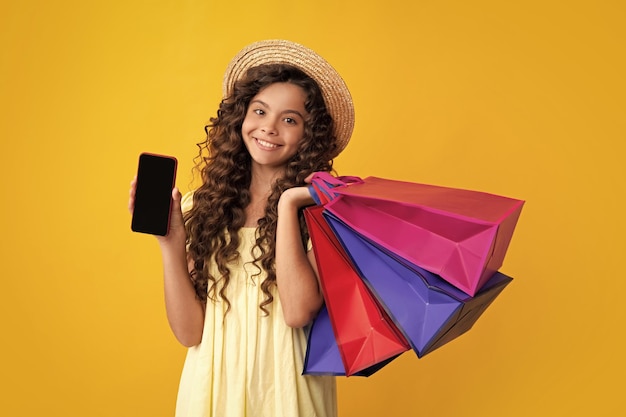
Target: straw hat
x=336, y=94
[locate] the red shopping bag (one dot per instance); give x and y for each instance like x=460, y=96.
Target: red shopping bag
x=460, y=235
x=364, y=333
x=322, y=353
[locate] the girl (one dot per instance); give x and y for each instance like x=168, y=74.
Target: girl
x=240, y=279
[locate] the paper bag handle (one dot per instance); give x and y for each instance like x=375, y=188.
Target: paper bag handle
x=322, y=185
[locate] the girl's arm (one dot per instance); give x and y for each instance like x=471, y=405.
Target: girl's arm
x=296, y=271
x=185, y=313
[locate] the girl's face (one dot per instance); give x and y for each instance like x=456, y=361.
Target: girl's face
x=274, y=124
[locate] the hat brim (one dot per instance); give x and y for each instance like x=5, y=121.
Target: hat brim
x=334, y=90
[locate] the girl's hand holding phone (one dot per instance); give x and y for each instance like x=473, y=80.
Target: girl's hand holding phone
x=154, y=201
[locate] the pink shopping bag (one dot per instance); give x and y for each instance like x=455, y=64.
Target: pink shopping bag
x=460, y=235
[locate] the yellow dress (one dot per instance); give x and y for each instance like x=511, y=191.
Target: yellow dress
x=249, y=364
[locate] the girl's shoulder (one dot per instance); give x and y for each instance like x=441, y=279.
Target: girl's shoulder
x=186, y=202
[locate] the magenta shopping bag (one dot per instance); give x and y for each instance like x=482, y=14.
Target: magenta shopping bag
x=460, y=235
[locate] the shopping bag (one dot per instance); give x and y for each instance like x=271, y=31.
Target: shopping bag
x=428, y=310
x=364, y=333
x=322, y=353
x=460, y=235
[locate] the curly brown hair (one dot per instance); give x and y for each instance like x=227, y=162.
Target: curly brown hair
x=218, y=211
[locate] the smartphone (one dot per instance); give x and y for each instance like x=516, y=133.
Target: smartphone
x=156, y=177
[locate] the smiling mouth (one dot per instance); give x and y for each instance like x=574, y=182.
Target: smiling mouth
x=265, y=144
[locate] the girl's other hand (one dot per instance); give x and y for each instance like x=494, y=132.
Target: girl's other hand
x=298, y=196
x=295, y=198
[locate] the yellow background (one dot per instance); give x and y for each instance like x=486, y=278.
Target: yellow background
x=524, y=99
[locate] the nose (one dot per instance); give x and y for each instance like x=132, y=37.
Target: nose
x=269, y=126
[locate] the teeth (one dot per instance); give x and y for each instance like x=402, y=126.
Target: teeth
x=266, y=144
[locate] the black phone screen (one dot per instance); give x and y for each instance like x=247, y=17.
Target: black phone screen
x=156, y=176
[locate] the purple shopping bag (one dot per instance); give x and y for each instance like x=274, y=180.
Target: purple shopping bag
x=428, y=310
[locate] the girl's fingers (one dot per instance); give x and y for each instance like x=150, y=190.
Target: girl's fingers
x=177, y=214
x=131, y=194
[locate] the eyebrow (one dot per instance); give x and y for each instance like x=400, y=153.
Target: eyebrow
x=283, y=112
